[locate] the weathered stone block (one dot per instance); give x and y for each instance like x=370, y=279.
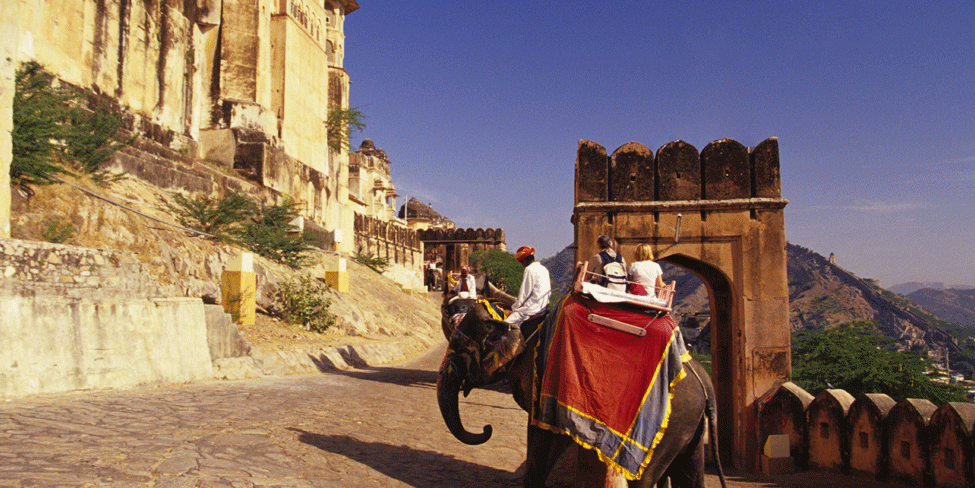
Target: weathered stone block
x=592, y=173
x=826, y=427
x=907, y=448
x=726, y=170
x=631, y=173
x=678, y=172
x=865, y=434
x=765, y=168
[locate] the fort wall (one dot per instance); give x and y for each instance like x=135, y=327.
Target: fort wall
x=911, y=441
x=246, y=84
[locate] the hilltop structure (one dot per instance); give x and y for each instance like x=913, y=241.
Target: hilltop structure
x=245, y=85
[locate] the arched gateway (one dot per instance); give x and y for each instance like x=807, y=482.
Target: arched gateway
x=718, y=214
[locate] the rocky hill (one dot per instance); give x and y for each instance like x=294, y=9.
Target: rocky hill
x=949, y=304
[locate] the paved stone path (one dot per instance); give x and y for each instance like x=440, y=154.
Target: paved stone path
x=362, y=428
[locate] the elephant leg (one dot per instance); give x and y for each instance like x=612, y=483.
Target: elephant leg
x=687, y=470
x=591, y=472
x=544, y=449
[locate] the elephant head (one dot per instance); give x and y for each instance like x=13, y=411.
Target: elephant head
x=479, y=352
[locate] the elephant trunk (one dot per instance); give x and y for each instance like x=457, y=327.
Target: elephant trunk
x=448, y=390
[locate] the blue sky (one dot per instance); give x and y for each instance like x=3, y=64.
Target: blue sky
x=480, y=107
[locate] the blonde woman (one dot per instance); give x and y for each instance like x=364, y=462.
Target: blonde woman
x=645, y=275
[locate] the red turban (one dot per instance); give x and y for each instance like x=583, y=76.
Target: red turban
x=524, y=252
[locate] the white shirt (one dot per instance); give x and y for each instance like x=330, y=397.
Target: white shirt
x=646, y=273
x=536, y=288
x=471, y=287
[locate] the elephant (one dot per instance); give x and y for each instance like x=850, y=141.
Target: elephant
x=484, y=351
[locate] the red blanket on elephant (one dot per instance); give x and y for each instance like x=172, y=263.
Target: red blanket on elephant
x=608, y=390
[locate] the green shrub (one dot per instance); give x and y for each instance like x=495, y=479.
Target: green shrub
x=306, y=303
x=39, y=118
x=58, y=232
x=222, y=217
x=501, y=268
x=857, y=360
x=341, y=124
x=269, y=233
x=374, y=263
x=91, y=138
x=49, y=125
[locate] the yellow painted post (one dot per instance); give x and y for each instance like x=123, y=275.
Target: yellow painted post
x=339, y=280
x=239, y=287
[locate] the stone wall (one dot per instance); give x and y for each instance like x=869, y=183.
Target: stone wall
x=911, y=441
x=398, y=245
x=79, y=318
x=44, y=269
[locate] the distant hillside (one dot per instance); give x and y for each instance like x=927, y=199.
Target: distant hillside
x=911, y=287
x=951, y=305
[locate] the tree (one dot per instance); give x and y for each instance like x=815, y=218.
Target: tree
x=39, y=124
x=501, y=268
x=855, y=359
x=51, y=129
x=341, y=124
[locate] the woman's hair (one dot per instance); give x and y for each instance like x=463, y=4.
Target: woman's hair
x=604, y=242
x=644, y=252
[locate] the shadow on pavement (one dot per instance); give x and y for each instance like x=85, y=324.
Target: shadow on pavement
x=414, y=467
x=407, y=377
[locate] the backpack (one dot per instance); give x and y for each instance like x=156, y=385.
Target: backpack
x=615, y=278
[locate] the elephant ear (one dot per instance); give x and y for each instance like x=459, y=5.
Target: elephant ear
x=499, y=346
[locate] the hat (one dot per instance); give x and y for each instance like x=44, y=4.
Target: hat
x=524, y=252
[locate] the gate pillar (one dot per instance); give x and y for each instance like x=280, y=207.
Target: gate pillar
x=718, y=214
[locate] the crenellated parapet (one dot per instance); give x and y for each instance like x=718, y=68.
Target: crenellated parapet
x=912, y=441
x=492, y=237
x=388, y=240
x=724, y=170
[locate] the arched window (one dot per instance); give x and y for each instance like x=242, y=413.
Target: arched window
x=330, y=52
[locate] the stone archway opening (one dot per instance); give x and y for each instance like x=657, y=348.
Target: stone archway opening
x=720, y=304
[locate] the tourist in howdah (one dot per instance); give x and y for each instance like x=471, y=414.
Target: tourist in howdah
x=645, y=274
x=607, y=267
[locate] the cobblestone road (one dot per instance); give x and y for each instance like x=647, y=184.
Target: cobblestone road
x=364, y=428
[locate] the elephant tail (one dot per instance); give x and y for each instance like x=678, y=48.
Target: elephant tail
x=712, y=413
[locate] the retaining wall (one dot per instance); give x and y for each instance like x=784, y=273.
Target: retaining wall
x=75, y=318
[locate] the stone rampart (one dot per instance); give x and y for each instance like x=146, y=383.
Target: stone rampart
x=387, y=240
x=911, y=441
